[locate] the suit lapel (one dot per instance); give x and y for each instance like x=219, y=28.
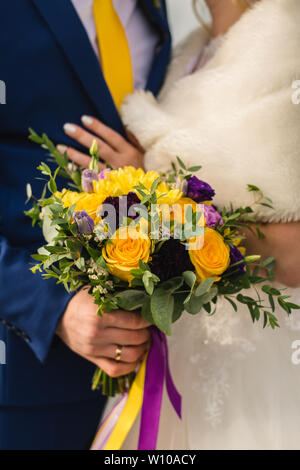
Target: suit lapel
x=69, y=32
x=157, y=15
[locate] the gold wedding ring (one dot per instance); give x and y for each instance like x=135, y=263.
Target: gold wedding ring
x=118, y=353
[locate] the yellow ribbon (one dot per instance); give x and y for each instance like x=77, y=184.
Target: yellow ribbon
x=129, y=412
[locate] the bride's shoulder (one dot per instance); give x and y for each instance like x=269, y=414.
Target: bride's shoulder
x=191, y=44
x=182, y=54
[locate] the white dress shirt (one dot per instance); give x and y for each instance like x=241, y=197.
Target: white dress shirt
x=141, y=36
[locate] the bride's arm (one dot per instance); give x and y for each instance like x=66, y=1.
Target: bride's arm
x=283, y=242
x=146, y=118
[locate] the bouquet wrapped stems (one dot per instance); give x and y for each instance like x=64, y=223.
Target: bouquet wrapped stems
x=111, y=386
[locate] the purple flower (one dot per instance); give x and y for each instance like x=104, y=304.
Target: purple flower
x=212, y=216
x=171, y=260
x=84, y=222
x=102, y=174
x=122, y=205
x=87, y=178
x=199, y=191
x=235, y=257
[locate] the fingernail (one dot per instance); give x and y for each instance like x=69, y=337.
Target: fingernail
x=87, y=120
x=62, y=148
x=69, y=128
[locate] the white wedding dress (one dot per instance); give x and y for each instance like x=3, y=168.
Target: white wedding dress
x=240, y=386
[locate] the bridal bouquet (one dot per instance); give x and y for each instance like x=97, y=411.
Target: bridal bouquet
x=149, y=242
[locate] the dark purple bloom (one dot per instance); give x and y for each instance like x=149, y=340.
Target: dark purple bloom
x=235, y=257
x=87, y=178
x=171, y=260
x=199, y=191
x=84, y=222
x=212, y=216
x=122, y=205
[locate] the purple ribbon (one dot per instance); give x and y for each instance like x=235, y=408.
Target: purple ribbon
x=157, y=372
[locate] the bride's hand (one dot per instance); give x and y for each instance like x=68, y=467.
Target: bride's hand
x=114, y=150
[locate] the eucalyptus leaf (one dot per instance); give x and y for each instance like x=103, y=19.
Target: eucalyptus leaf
x=190, y=278
x=131, y=299
x=146, y=311
x=204, y=286
x=194, y=305
x=171, y=285
x=178, y=306
x=162, y=306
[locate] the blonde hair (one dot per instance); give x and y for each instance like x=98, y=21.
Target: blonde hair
x=198, y=15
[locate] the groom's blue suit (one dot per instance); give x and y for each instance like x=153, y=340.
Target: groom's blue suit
x=52, y=76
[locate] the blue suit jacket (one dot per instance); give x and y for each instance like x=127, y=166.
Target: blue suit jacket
x=52, y=76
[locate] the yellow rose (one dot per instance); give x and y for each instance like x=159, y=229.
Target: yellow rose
x=212, y=258
x=127, y=247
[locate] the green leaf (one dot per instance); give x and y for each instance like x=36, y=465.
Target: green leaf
x=284, y=305
x=252, y=187
x=53, y=259
x=178, y=307
x=34, y=137
x=266, y=317
x=234, y=305
x=260, y=234
x=131, y=299
x=52, y=186
x=44, y=169
x=209, y=296
x=268, y=262
x=95, y=254
x=148, y=282
x=39, y=257
x=270, y=290
x=181, y=163
x=154, y=185
x=194, y=304
x=55, y=249
x=146, y=311
x=193, y=169
x=272, y=303
x=190, y=278
x=265, y=204
x=171, y=285
x=143, y=266
x=80, y=264
x=293, y=306
x=162, y=307
x=204, y=286
x=243, y=299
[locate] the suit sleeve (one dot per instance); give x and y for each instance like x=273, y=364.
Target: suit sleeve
x=28, y=303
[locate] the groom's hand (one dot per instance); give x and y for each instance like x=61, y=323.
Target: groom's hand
x=97, y=338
